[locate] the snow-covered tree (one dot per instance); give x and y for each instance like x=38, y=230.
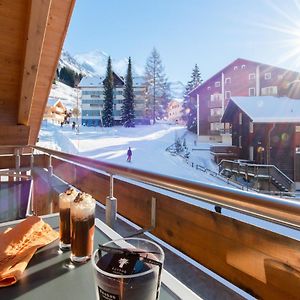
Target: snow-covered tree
x=189, y=105
x=157, y=86
x=128, y=101
x=107, y=114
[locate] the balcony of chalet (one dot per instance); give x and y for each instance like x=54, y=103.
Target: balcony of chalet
x=214, y=119
x=220, y=243
x=215, y=103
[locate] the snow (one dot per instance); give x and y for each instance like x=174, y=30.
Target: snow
x=269, y=109
x=66, y=60
x=96, y=61
x=148, y=144
x=66, y=94
x=94, y=81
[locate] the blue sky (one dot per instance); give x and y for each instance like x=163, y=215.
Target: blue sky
x=211, y=33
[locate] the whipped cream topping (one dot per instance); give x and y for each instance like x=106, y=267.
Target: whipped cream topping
x=83, y=206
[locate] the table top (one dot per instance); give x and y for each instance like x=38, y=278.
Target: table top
x=48, y=276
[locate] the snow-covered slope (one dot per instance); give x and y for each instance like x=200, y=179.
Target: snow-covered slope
x=66, y=94
x=67, y=60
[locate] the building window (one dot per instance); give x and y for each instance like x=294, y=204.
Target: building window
x=267, y=76
x=227, y=80
x=251, y=91
x=217, y=84
x=269, y=91
x=243, y=67
x=240, y=118
x=216, y=97
x=235, y=68
x=208, y=88
x=251, y=76
x=251, y=127
x=227, y=95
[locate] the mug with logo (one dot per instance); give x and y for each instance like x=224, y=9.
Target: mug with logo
x=128, y=268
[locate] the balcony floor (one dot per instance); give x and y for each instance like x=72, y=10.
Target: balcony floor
x=199, y=282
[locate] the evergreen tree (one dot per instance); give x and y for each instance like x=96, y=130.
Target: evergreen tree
x=128, y=101
x=189, y=104
x=69, y=77
x=163, y=99
x=107, y=114
x=156, y=84
x=196, y=76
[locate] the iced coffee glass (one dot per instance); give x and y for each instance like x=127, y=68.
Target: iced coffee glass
x=134, y=274
x=82, y=227
x=65, y=200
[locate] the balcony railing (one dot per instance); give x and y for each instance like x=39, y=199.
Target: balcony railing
x=259, y=171
x=250, y=257
x=214, y=119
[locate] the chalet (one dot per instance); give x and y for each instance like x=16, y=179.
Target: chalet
x=55, y=110
x=174, y=112
x=240, y=78
x=92, y=99
x=266, y=130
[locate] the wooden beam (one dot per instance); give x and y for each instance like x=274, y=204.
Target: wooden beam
x=14, y=134
x=38, y=19
x=58, y=21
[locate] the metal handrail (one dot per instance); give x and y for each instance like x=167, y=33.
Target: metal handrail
x=260, y=166
x=282, y=211
x=275, y=172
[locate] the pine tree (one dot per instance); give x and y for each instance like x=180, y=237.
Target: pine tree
x=107, y=114
x=189, y=105
x=128, y=101
x=196, y=76
x=156, y=84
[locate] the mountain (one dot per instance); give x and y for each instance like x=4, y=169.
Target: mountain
x=95, y=61
x=177, y=89
x=67, y=60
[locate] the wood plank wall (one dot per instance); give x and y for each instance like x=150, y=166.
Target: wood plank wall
x=265, y=264
x=13, y=26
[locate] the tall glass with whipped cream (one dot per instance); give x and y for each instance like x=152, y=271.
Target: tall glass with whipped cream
x=82, y=227
x=65, y=200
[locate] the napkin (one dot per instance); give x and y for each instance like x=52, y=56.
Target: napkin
x=18, y=245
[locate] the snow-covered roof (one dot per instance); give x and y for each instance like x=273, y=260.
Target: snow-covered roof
x=266, y=109
x=94, y=81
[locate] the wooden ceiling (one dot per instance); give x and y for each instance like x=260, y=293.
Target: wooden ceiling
x=32, y=34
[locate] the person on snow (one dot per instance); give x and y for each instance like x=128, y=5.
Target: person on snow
x=129, y=154
x=73, y=125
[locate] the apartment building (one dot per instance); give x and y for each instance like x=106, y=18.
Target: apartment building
x=240, y=78
x=92, y=99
